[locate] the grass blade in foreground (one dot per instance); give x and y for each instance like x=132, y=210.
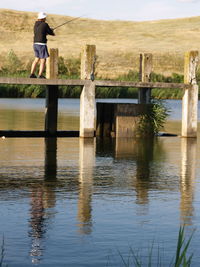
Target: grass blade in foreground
x=181, y=259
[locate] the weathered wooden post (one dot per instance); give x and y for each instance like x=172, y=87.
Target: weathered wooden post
x=190, y=96
x=144, y=94
x=87, y=99
x=51, y=112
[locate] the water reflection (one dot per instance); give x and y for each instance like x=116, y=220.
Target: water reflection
x=37, y=224
x=141, y=172
x=187, y=178
x=144, y=157
x=43, y=201
x=50, y=158
x=87, y=148
x=141, y=151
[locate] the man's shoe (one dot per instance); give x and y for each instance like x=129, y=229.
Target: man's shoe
x=33, y=76
x=41, y=77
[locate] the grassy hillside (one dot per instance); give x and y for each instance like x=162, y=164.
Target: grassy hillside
x=118, y=42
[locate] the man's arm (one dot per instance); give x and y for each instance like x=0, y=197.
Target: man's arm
x=49, y=30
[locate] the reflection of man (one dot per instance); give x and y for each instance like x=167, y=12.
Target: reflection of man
x=41, y=30
x=42, y=198
x=37, y=223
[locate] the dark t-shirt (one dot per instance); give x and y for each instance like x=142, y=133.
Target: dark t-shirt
x=41, y=30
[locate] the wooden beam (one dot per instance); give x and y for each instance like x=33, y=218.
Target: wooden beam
x=9, y=80
x=7, y=133
x=100, y=83
x=103, y=83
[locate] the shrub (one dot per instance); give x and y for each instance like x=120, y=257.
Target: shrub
x=154, y=119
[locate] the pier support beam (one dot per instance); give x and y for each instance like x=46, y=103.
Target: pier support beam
x=144, y=94
x=190, y=96
x=87, y=99
x=51, y=112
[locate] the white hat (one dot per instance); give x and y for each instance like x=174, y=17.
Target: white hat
x=42, y=15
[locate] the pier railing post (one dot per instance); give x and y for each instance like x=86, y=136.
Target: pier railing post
x=190, y=96
x=144, y=94
x=87, y=98
x=51, y=112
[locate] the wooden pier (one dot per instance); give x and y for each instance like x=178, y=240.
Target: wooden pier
x=87, y=98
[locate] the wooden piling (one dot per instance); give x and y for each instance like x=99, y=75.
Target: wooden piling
x=144, y=94
x=51, y=112
x=87, y=98
x=52, y=64
x=190, y=96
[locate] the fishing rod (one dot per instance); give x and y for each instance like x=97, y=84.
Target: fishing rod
x=67, y=22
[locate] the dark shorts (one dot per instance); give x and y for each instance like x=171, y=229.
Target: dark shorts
x=40, y=51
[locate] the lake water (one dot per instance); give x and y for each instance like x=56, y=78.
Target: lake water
x=74, y=202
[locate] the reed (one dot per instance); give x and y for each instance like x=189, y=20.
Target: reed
x=181, y=250
x=180, y=259
x=2, y=254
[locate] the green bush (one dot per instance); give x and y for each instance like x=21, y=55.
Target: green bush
x=154, y=118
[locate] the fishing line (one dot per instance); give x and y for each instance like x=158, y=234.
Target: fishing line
x=68, y=21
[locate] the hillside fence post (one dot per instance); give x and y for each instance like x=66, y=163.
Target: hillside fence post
x=87, y=98
x=190, y=96
x=51, y=111
x=144, y=94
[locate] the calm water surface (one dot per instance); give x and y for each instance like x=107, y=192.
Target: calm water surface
x=74, y=202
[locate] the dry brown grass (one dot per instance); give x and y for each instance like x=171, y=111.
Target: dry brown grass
x=118, y=42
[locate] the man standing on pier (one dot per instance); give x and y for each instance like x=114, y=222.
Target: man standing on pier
x=41, y=30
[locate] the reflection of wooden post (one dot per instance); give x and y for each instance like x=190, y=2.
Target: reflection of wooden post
x=144, y=94
x=188, y=171
x=50, y=158
x=86, y=165
x=190, y=97
x=87, y=99
x=51, y=113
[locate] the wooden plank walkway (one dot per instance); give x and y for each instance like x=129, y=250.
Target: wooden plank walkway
x=87, y=97
x=100, y=83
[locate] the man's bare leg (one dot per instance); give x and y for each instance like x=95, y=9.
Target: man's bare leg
x=42, y=65
x=34, y=65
